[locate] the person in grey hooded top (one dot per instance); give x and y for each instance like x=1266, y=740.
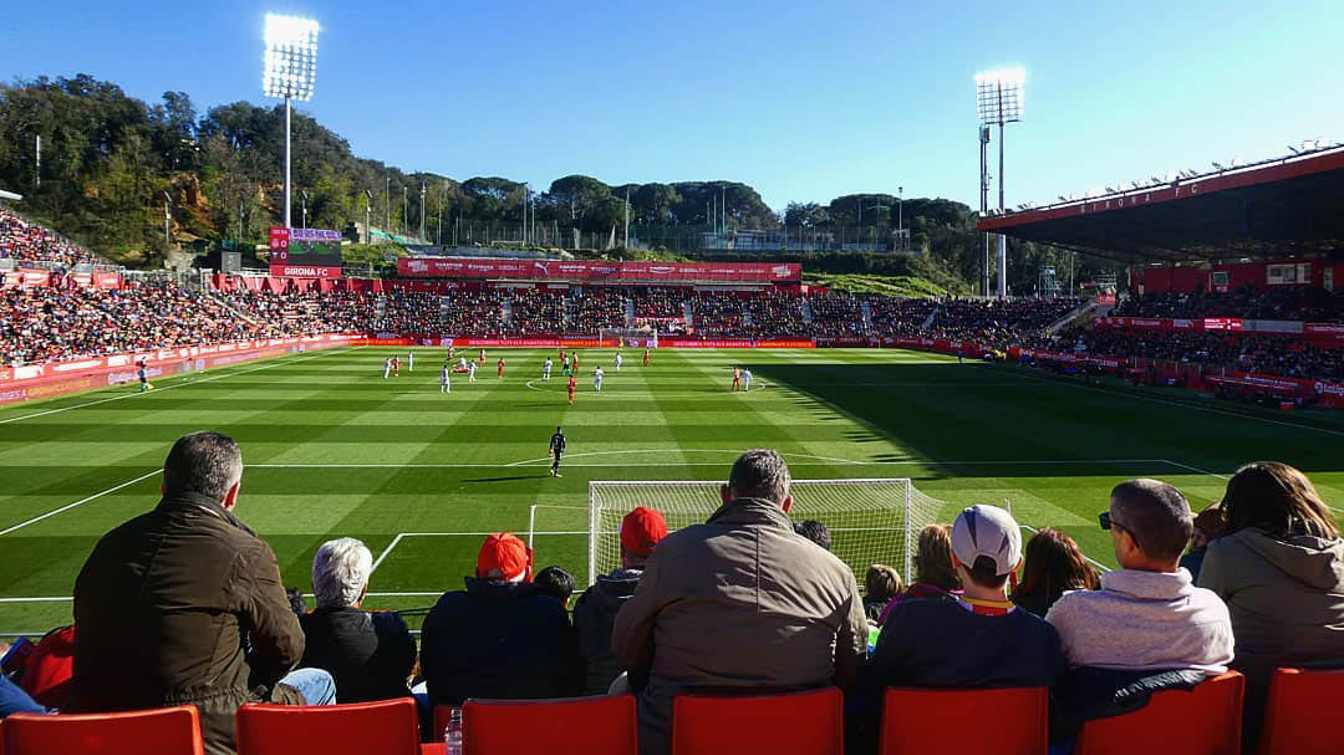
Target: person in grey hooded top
x=1279, y=566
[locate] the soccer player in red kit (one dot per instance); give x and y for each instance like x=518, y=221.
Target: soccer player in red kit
x=737, y=378
x=646, y=357
x=573, y=388
x=482, y=359
x=499, y=368
x=396, y=366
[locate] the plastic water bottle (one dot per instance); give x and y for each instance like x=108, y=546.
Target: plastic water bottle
x=452, y=736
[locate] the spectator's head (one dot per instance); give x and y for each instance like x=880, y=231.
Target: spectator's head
x=1209, y=525
x=881, y=582
x=341, y=572
x=555, y=582
x=933, y=560
x=1278, y=499
x=760, y=473
x=207, y=464
x=504, y=558
x=641, y=530
x=814, y=531
x=1150, y=524
x=1054, y=564
x=986, y=548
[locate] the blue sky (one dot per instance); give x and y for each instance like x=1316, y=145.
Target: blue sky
x=804, y=101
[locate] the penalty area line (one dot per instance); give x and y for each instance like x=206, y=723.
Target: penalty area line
x=80, y=502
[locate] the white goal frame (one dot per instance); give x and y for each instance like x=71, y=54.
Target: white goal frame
x=906, y=530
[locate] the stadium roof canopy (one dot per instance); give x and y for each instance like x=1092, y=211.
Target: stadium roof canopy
x=1283, y=207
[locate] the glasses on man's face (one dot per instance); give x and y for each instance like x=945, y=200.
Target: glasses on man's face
x=1107, y=522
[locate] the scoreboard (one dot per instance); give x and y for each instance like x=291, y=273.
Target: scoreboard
x=305, y=252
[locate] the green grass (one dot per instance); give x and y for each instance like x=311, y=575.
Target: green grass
x=906, y=286
x=333, y=450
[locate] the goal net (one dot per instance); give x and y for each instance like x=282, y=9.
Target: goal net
x=871, y=520
x=630, y=338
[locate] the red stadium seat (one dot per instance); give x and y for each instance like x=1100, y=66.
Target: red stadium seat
x=1202, y=721
x=1013, y=721
x=387, y=727
x=567, y=726
x=1300, y=716
x=799, y=723
x=163, y=731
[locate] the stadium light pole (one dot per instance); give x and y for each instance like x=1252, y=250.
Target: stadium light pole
x=368, y=201
x=289, y=72
x=999, y=96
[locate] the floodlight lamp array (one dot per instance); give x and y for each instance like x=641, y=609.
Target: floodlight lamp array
x=1000, y=95
x=289, y=68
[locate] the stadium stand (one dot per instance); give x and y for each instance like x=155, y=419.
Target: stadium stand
x=1297, y=720
x=706, y=725
x=25, y=242
x=917, y=721
x=170, y=731
x=389, y=727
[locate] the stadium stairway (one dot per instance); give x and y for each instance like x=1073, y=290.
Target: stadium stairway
x=224, y=304
x=866, y=310
x=688, y=313
x=806, y=310
x=1080, y=314
x=629, y=312
x=931, y=319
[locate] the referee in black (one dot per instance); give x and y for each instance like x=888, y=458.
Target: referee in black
x=557, y=450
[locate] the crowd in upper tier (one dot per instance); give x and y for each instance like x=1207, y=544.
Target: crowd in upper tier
x=26, y=242
x=1253, y=583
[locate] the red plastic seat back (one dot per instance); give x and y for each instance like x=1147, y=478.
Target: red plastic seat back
x=564, y=726
x=1302, y=714
x=164, y=731
x=1011, y=721
x=798, y=723
x=1202, y=721
x=387, y=727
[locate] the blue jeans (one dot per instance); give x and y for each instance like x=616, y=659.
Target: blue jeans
x=316, y=685
x=14, y=700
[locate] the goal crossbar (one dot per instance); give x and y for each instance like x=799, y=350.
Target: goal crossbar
x=871, y=520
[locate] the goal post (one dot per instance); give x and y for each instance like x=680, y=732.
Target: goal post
x=872, y=520
x=632, y=338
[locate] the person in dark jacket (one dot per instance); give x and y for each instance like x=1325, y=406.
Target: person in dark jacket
x=184, y=604
x=1208, y=525
x=595, y=611
x=557, y=583
x=499, y=638
x=370, y=655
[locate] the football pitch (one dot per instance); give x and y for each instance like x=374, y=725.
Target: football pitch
x=334, y=450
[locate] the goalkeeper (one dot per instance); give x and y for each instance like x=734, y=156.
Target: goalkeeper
x=557, y=450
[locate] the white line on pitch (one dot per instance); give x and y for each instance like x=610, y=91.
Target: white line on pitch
x=1089, y=559
x=79, y=503
x=823, y=460
x=1182, y=405
x=277, y=363
x=1199, y=470
x=386, y=551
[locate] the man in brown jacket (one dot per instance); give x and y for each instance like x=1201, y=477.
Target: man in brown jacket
x=738, y=603
x=184, y=604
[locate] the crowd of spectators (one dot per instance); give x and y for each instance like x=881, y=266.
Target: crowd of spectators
x=536, y=311
x=1297, y=303
x=596, y=308
x=836, y=315
x=26, y=242
x=42, y=324
x=1247, y=352
x=665, y=623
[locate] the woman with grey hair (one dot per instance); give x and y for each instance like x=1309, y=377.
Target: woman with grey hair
x=370, y=655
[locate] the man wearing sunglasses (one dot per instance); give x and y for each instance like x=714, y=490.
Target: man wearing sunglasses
x=1148, y=615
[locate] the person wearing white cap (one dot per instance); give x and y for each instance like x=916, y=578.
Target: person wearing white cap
x=975, y=639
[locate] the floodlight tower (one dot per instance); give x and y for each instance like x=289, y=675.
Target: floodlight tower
x=289, y=71
x=998, y=96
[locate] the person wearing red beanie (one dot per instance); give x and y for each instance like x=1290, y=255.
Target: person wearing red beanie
x=499, y=638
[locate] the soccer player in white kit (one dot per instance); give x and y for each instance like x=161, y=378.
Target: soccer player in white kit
x=597, y=379
x=746, y=379
x=546, y=370
x=445, y=379
x=619, y=360
x=387, y=367
x=410, y=361
x=471, y=372
x=462, y=363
